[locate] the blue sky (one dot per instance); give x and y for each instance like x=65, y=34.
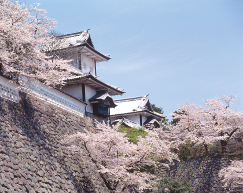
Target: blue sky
x=175, y=51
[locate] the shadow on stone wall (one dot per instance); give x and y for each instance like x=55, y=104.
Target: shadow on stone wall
x=33, y=159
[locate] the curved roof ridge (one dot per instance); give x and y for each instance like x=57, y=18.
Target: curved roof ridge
x=89, y=76
x=126, y=121
x=76, y=38
x=130, y=98
x=144, y=101
x=70, y=34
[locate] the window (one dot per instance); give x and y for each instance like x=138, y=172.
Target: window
x=101, y=110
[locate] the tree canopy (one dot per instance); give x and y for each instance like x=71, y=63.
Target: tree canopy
x=157, y=109
x=118, y=160
x=215, y=121
x=23, y=40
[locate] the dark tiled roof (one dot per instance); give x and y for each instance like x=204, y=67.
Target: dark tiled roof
x=126, y=122
x=77, y=40
x=151, y=120
x=101, y=97
x=90, y=79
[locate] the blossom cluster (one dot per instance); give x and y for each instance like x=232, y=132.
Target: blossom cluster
x=232, y=176
x=215, y=121
x=24, y=35
x=118, y=159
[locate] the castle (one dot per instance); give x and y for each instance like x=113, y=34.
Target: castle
x=85, y=94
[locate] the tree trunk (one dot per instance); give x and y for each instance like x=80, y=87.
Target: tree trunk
x=223, y=144
x=206, y=148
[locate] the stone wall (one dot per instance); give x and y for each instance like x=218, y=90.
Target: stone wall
x=202, y=172
x=32, y=159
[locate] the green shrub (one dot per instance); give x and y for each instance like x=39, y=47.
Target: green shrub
x=132, y=133
x=188, y=150
x=170, y=185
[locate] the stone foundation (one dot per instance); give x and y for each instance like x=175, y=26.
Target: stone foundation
x=202, y=172
x=32, y=159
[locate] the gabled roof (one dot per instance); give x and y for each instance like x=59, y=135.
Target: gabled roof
x=127, y=122
x=151, y=121
x=103, y=97
x=98, y=85
x=134, y=105
x=75, y=39
x=79, y=41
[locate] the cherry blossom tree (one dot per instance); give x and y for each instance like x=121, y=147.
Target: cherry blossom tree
x=232, y=176
x=215, y=121
x=192, y=125
x=24, y=36
x=118, y=161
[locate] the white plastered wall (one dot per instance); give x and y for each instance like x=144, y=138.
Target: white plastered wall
x=89, y=92
x=88, y=64
x=133, y=117
x=75, y=62
x=55, y=97
x=136, y=118
x=9, y=90
x=144, y=118
x=74, y=90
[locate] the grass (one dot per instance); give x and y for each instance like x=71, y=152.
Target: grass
x=133, y=133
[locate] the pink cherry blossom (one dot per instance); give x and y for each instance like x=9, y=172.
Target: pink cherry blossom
x=215, y=121
x=232, y=176
x=117, y=159
x=24, y=36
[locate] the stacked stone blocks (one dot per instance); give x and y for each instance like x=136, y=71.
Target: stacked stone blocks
x=33, y=159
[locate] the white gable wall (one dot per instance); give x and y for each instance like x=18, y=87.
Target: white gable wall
x=75, y=62
x=88, y=64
